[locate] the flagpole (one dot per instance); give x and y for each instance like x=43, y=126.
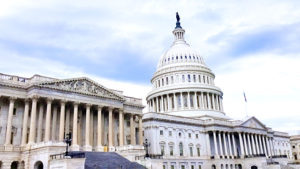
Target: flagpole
x=245, y=104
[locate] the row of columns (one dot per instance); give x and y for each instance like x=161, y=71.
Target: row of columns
x=249, y=144
x=194, y=100
x=75, y=146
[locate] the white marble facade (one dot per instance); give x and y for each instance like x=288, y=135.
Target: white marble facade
x=36, y=113
x=186, y=124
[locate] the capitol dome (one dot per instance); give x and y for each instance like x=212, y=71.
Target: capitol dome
x=183, y=85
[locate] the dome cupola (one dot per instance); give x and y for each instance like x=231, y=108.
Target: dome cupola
x=182, y=84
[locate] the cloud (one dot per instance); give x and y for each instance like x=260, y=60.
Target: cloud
x=251, y=45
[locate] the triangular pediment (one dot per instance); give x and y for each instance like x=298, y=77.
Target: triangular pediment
x=83, y=86
x=252, y=122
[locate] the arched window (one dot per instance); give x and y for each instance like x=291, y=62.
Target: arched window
x=180, y=149
x=14, y=165
x=38, y=165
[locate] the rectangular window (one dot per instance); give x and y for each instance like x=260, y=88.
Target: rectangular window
x=171, y=150
x=172, y=167
x=194, y=78
x=167, y=80
x=162, y=149
x=190, y=135
x=199, y=167
x=191, y=151
x=196, y=135
x=192, y=167
x=189, y=78
x=172, y=79
x=162, y=82
x=161, y=132
x=170, y=133
x=183, y=78
x=198, y=151
x=182, y=167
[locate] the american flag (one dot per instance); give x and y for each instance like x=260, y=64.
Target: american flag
x=245, y=97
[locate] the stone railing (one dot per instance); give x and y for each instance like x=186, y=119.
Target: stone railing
x=14, y=79
x=133, y=100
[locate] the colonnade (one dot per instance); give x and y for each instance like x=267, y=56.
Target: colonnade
x=185, y=100
x=41, y=129
x=241, y=144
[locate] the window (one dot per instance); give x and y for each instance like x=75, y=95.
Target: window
x=180, y=149
x=128, y=123
x=191, y=151
x=194, y=77
x=15, y=111
x=179, y=134
x=162, y=82
x=189, y=78
x=192, y=167
x=167, y=80
x=164, y=167
x=190, y=135
x=172, y=167
x=158, y=83
x=199, y=79
x=196, y=135
x=161, y=132
x=162, y=149
x=172, y=79
x=170, y=133
x=171, y=150
x=183, y=78
x=199, y=167
x=198, y=151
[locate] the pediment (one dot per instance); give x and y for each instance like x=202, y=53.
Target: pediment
x=253, y=123
x=82, y=86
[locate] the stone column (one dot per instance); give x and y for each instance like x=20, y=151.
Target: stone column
x=175, y=102
x=140, y=131
x=25, y=121
x=215, y=143
x=181, y=98
x=195, y=101
x=54, y=124
x=48, y=120
x=245, y=143
x=264, y=143
x=221, y=104
x=40, y=123
x=253, y=144
x=249, y=143
x=260, y=145
x=87, y=146
x=225, y=144
x=208, y=144
x=229, y=144
x=162, y=104
x=33, y=121
x=99, y=129
x=202, y=101
x=220, y=144
x=67, y=126
x=110, y=127
x=213, y=101
x=132, y=130
x=121, y=128
x=157, y=107
x=9, y=120
x=234, y=146
x=189, y=100
x=168, y=101
x=62, y=120
x=208, y=101
x=75, y=146
x=218, y=102
x=241, y=144
x=257, y=146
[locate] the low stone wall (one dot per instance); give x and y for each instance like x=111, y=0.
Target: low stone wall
x=74, y=163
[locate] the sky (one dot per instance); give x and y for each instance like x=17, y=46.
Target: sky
x=251, y=46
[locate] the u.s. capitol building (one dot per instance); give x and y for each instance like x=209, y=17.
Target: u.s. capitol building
x=187, y=127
